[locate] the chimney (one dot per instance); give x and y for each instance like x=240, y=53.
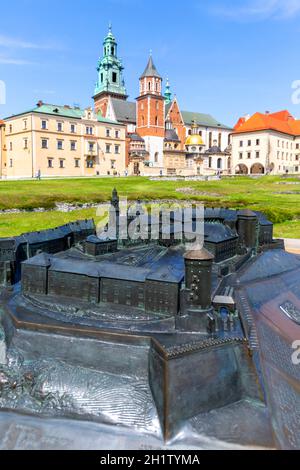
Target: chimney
x=40, y=103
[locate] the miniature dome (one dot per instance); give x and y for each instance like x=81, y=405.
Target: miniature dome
x=194, y=139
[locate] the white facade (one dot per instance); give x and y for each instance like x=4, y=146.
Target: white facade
x=155, y=147
x=211, y=134
x=275, y=152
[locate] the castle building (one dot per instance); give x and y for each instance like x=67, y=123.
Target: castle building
x=150, y=118
x=266, y=144
x=62, y=141
x=150, y=136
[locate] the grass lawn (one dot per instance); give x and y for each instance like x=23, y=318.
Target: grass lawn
x=268, y=194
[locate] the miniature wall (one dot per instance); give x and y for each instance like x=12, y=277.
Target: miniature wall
x=17, y=249
x=193, y=381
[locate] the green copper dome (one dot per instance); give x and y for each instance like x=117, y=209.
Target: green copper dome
x=110, y=68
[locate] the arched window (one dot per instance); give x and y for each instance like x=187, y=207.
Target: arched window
x=149, y=86
x=219, y=164
x=143, y=121
x=156, y=120
x=112, y=51
x=156, y=86
x=156, y=157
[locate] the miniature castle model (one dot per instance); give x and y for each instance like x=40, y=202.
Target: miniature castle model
x=188, y=317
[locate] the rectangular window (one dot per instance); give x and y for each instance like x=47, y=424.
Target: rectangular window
x=44, y=125
x=73, y=145
x=59, y=127
x=25, y=144
x=91, y=146
x=241, y=156
x=77, y=163
x=249, y=155
x=50, y=163
x=10, y=146
x=107, y=132
x=257, y=142
x=60, y=145
x=73, y=129
x=108, y=146
x=241, y=143
x=25, y=124
x=257, y=154
x=117, y=149
x=11, y=162
x=114, y=77
x=117, y=134
x=297, y=146
x=113, y=164
x=61, y=163
x=44, y=143
x=10, y=128
x=249, y=143
x=89, y=131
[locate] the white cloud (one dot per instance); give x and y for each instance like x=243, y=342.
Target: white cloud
x=256, y=10
x=12, y=61
x=17, y=43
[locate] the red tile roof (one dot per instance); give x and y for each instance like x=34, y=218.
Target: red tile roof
x=281, y=121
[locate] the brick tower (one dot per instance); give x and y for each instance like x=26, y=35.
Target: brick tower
x=151, y=113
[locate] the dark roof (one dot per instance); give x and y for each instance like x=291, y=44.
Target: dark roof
x=269, y=263
x=150, y=70
x=136, y=137
x=216, y=232
x=171, y=136
x=125, y=111
x=202, y=120
x=214, y=150
x=168, y=107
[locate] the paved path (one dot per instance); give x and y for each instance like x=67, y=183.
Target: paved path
x=292, y=245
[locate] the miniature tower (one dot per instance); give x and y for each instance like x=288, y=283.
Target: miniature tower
x=151, y=113
x=247, y=228
x=110, y=81
x=114, y=215
x=196, y=297
x=198, y=278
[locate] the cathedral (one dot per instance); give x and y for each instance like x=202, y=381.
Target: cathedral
x=161, y=138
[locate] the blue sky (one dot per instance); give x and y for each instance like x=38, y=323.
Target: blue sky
x=226, y=58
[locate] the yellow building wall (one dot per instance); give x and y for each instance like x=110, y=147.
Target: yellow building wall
x=27, y=162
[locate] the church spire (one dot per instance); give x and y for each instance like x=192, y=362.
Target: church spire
x=168, y=93
x=151, y=70
x=110, y=69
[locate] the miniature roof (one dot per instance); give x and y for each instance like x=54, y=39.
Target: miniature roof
x=201, y=255
x=269, y=263
x=150, y=70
